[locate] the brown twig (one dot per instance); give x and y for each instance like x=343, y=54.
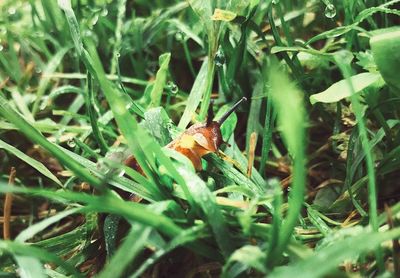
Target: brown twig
x=7, y=206
x=252, y=149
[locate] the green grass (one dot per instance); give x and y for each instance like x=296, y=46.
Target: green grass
x=86, y=83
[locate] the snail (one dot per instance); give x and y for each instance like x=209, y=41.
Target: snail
x=198, y=140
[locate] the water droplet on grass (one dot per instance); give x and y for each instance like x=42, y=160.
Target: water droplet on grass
x=172, y=88
x=71, y=143
x=219, y=58
x=179, y=36
x=330, y=11
x=11, y=11
x=104, y=12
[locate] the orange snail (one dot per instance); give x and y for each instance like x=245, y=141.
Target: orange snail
x=197, y=141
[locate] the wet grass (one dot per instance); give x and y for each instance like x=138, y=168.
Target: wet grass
x=307, y=183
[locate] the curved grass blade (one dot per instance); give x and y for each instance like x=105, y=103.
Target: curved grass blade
x=288, y=103
x=30, y=267
x=31, y=231
x=213, y=215
x=186, y=237
x=340, y=90
x=249, y=256
x=161, y=78
x=107, y=203
x=34, y=135
x=372, y=193
x=133, y=244
x=44, y=81
x=329, y=258
x=195, y=96
x=29, y=160
x=18, y=249
x=90, y=104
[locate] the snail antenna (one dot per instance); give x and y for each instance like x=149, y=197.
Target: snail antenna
x=230, y=111
x=210, y=113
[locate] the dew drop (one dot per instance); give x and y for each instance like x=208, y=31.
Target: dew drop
x=219, y=58
x=330, y=11
x=11, y=11
x=104, y=12
x=118, y=54
x=172, y=88
x=71, y=143
x=179, y=36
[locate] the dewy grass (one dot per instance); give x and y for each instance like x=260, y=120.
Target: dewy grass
x=84, y=85
x=372, y=193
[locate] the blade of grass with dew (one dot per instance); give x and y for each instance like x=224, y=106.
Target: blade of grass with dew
x=31, y=231
x=77, y=239
x=90, y=104
x=251, y=257
x=44, y=82
x=317, y=221
x=47, y=126
x=204, y=10
x=21, y=105
x=236, y=176
x=350, y=171
x=372, y=194
x=161, y=78
x=118, y=35
x=186, y=237
x=128, y=124
x=195, y=95
x=18, y=249
x=133, y=244
x=207, y=202
x=363, y=15
x=73, y=109
x=107, y=203
x=29, y=267
x=279, y=42
x=329, y=258
x=141, y=187
x=116, y=99
x=35, y=136
x=67, y=89
x=288, y=102
x=29, y=160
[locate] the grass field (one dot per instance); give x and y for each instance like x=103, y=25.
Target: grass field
x=305, y=184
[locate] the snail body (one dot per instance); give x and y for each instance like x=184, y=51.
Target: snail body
x=196, y=141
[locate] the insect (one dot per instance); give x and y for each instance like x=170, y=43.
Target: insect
x=198, y=140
